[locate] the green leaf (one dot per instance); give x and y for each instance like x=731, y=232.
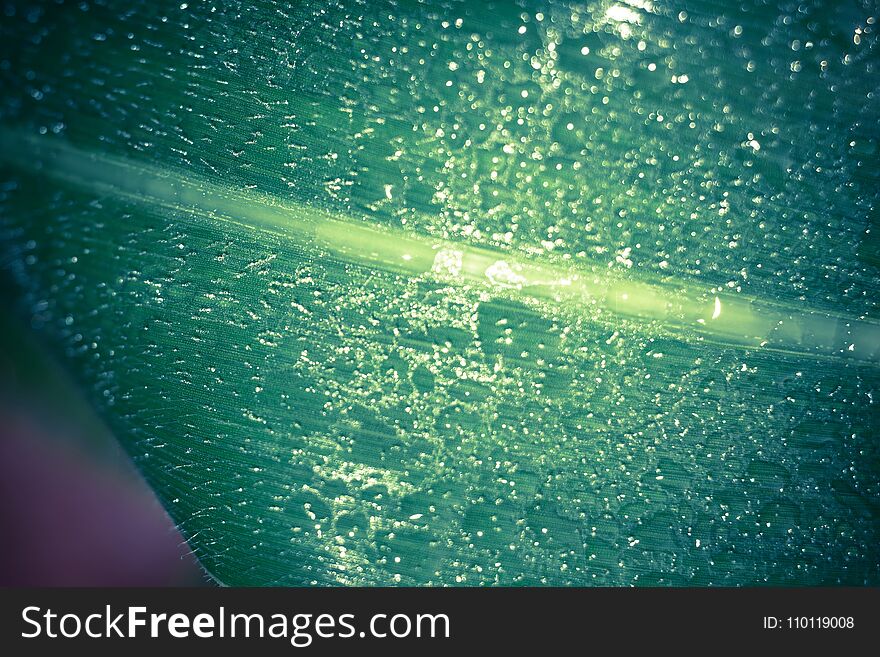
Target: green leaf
x=533, y=295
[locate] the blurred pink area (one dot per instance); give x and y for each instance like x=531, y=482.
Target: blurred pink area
x=68, y=518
